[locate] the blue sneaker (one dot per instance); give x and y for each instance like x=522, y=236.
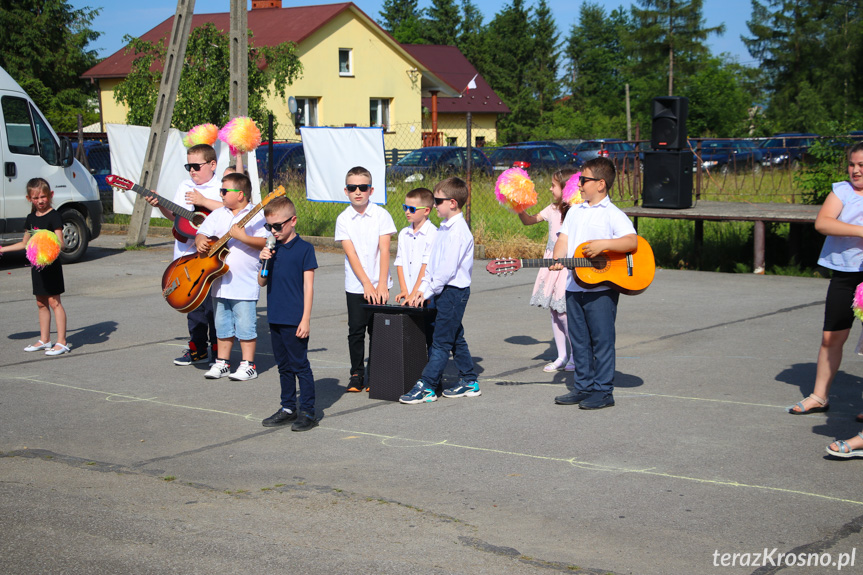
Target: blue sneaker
x=463, y=389
x=419, y=394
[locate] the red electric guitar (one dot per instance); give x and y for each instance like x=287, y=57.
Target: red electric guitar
x=629, y=273
x=186, y=223
x=187, y=280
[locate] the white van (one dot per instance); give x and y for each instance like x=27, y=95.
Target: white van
x=30, y=148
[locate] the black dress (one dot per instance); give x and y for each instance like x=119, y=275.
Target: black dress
x=48, y=280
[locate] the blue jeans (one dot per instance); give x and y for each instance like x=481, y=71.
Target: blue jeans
x=236, y=318
x=291, y=353
x=449, y=337
x=590, y=320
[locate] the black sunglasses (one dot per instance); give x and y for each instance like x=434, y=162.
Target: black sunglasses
x=224, y=191
x=582, y=179
x=362, y=187
x=439, y=201
x=413, y=209
x=196, y=167
x=277, y=227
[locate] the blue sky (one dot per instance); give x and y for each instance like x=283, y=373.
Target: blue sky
x=120, y=18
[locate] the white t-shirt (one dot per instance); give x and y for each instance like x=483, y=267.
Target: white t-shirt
x=241, y=281
x=413, y=252
x=209, y=190
x=365, y=231
x=583, y=223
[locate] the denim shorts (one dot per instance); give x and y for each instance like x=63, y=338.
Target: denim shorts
x=236, y=318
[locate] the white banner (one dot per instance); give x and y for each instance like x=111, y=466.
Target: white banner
x=331, y=152
x=128, y=145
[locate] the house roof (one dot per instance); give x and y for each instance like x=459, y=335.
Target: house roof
x=451, y=66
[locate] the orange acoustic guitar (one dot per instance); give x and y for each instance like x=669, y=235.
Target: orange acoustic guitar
x=187, y=281
x=629, y=273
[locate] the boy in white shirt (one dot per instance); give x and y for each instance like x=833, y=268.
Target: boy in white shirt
x=365, y=230
x=236, y=293
x=447, y=278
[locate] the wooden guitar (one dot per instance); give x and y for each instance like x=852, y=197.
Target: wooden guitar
x=629, y=273
x=187, y=281
x=186, y=223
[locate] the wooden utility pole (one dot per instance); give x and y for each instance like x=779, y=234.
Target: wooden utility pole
x=140, y=221
x=239, y=97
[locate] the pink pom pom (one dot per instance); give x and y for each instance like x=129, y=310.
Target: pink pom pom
x=571, y=194
x=201, y=134
x=857, y=304
x=515, y=190
x=241, y=134
x=43, y=248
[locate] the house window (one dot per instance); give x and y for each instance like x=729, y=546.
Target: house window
x=307, y=113
x=451, y=141
x=346, y=62
x=379, y=116
x=480, y=141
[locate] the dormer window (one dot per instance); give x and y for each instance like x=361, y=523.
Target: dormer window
x=346, y=62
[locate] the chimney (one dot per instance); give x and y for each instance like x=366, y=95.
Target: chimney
x=260, y=4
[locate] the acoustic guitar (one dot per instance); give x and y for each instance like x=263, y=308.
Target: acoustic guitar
x=629, y=273
x=187, y=281
x=186, y=223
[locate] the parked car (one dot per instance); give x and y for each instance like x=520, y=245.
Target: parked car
x=99, y=159
x=728, y=155
x=787, y=150
x=289, y=161
x=437, y=161
x=622, y=153
x=541, y=143
x=532, y=158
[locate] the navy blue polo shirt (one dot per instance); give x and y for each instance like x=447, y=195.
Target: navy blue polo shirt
x=285, y=285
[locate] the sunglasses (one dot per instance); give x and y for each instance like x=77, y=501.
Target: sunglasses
x=362, y=187
x=582, y=179
x=195, y=167
x=277, y=227
x=413, y=209
x=224, y=191
x=439, y=201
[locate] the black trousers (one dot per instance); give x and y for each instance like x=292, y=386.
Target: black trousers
x=359, y=320
x=202, y=326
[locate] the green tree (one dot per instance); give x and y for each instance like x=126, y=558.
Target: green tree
x=718, y=103
x=43, y=46
x=443, y=22
x=403, y=19
x=202, y=95
x=542, y=74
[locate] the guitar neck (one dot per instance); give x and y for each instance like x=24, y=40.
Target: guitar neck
x=174, y=208
x=242, y=223
x=570, y=263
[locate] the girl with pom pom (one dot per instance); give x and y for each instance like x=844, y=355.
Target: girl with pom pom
x=43, y=247
x=549, y=290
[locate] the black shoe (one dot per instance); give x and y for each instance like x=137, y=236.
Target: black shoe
x=355, y=385
x=571, y=398
x=304, y=422
x=597, y=402
x=281, y=417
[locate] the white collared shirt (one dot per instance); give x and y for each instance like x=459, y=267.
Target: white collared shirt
x=209, y=190
x=414, y=251
x=583, y=223
x=241, y=281
x=365, y=231
x=451, y=258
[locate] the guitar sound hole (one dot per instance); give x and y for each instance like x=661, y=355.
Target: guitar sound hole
x=599, y=263
x=198, y=220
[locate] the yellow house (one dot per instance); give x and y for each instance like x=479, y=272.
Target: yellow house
x=354, y=73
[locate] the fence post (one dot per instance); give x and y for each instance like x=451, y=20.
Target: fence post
x=270, y=154
x=81, y=155
x=469, y=166
x=698, y=171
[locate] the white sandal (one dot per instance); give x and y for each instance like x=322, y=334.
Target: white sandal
x=39, y=346
x=63, y=349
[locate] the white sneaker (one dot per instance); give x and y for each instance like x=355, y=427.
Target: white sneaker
x=39, y=346
x=245, y=371
x=220, y=369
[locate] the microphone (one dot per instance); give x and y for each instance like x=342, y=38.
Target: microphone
x=271, y=244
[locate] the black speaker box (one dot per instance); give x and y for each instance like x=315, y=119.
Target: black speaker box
x=669, y=123
x=667, y=179
x=397, y=354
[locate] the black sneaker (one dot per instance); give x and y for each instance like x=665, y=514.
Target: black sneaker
x=304, y=422
x=281, y=417
x=192, y=356
x=355, y=385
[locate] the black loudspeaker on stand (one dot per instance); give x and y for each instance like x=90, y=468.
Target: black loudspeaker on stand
x=669, y=123
x=667, y=179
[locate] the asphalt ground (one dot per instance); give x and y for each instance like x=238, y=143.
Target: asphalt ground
x=113, y=460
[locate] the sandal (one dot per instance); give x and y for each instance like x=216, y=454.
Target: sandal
x=40, y=345
x=845, y=450
x=824, y=406
x=58, y=349
x=554, y=366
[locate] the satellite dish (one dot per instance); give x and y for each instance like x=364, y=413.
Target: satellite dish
x=292, y=105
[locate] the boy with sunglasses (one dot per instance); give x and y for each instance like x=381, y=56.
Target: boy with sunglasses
x=364, y=229
x=591, y=311
x=235, y=294
x=202, y=190
x=290, y=277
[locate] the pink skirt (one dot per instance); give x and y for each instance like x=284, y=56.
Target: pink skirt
x=549, y=290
